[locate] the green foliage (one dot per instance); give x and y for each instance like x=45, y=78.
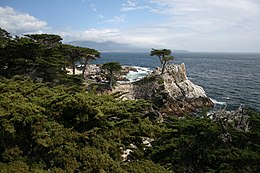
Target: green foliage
x=24, y=56
x=14, y=167
x=200, y=145
x=42, y=57
x=145, y=166
x=63, y=130
x=58, y=129
x=164, y=56
x=48, y=127
x=112, y=67
x=5, y=37
x=76, y=54
x=160, y=52
x=49, y=40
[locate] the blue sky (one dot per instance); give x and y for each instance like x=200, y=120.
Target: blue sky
x=195, y=25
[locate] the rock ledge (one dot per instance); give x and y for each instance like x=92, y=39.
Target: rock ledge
x=172, y=93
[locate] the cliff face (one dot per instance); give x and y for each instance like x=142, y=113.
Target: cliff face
x=171, y=92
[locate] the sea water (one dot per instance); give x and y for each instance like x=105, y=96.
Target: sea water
x=231, y=79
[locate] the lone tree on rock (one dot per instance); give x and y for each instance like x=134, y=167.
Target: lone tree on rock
x=164, y=56
x=112, y=67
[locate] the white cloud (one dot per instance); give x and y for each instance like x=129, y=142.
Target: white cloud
x=93, y=7
x=18, y=23
x=208, y=25
x=101, y=16
x=220, y=14
x=98, y=35
x=131, y=5
x=134, y=37
x=194, y=25
x=117, y=19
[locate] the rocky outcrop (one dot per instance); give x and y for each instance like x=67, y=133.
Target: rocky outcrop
x=237, y=118
x=95, y=73
x=172, y=93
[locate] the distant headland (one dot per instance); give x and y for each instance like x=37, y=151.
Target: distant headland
x=110, y=46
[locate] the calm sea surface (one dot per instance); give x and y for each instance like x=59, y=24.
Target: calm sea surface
x=228, y=78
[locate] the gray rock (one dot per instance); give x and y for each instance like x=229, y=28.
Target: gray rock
x=172, y=92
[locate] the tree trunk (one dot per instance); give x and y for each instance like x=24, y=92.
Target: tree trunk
x=84, y=68
x=163, y=66
x=111, y=80
x=73, y=68
x=73, y=65
x=161, y=62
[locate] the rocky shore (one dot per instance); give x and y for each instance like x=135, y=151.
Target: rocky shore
x=171, y=93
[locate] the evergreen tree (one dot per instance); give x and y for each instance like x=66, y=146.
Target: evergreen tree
x=87, y=56
x=164, y=56
x=5, y=37
x=112, y=67
x=76, y=54
x=50, y=40
x=38, y=56
x=47, y=128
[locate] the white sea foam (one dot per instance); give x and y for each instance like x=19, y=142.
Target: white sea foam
x=138, y=73
x=218, y=102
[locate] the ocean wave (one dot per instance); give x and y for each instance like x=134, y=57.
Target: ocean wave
x=218, y=102
x=137, y=74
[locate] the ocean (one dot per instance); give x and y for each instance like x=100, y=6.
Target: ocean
x=230, y=79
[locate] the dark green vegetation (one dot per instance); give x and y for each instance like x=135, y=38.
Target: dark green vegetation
x=51, y=124
x=164, y=56
x=74, y=54
x=42, y=57
x=112, y=67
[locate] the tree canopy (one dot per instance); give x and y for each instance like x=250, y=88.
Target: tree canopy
x=58, y=129
x=112, y=67
x=54, y=125
x=164, y=56
x=42, y=57
x=88, y=55
x=5, y=37
x=50, y=40
x=76, y=54
x=24, y=56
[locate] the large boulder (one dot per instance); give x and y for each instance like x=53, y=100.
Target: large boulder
x=171, y=92
x=94, y=72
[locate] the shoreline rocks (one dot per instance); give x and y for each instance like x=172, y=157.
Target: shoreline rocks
x=171, y=93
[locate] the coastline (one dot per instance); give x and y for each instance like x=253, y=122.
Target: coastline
x=233, y=78
x=134, y=73
x=171, y=92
